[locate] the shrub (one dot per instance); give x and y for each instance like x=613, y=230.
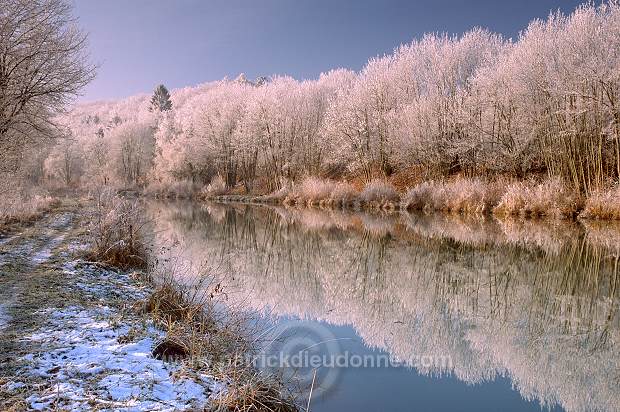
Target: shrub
x=117, y=231
x=379, y=191
x=419, y=197
x=314, y=189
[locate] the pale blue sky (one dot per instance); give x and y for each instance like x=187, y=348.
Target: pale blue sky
x=141, y=43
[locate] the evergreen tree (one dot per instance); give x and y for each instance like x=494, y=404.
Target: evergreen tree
x=161, y=99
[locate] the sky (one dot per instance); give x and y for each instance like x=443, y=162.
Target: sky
x=139, y=44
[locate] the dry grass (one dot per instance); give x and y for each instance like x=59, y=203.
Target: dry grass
x=252, y=391
x=343, y=194
x=312, y=190
x=551, y=198
x=278, y=196
x=603, y=205
x=217, y=187
x=25, y=210
x=181, y=189
x=205, y=334
x=379, y=191
x=117, y=232
x=455, y=196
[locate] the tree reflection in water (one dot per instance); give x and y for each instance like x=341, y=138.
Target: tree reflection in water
x=534, y=301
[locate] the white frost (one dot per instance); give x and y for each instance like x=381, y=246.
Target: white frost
x=94, y=356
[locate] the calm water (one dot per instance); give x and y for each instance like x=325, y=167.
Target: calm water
x=412, y=312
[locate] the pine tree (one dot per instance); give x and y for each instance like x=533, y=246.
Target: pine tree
x=161, y=99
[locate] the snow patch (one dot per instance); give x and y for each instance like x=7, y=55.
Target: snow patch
x=4, y=317
x=46, y=253
x=7, y=240
x=94, y=354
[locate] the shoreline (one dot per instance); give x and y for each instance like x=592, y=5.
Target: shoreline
x=542, y=199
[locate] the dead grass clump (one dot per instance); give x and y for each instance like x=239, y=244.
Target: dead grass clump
x=551, y=198
x=603, y=205
x=206, y=335
x=168, y=304
x=419, y=197
x=217, y=187
x=379, y=191
x=117, y=232
x=253, y=391
x=343, y=194
x=471, y=196
x=312, y=190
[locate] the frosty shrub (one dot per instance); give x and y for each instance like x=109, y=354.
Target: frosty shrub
x=420, y=197
x=379, y=191
x=314, y=189
x=343, y=192
x=460, y=195
x=117, y=231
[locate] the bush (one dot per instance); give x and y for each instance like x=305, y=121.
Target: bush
x=420, y=197
x=379, y=191
x=117, y=232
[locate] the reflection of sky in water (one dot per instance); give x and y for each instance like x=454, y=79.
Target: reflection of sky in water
x=397, y=388
x=521, y=303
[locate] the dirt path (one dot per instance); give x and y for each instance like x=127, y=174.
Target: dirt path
x=29, y=280
x=70, y=335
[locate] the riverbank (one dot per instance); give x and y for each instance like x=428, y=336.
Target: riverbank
x=547, y=199
x=80, y=335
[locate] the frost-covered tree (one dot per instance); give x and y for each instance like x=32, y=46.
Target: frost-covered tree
x=473, y=104
x=43, y=65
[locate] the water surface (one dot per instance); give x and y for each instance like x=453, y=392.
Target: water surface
x=474, y=314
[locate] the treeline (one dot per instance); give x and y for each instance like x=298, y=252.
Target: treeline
x=546, y=104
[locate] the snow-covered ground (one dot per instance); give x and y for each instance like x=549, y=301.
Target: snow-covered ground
x=93, y=360
x=4, y=316
x=94, y=350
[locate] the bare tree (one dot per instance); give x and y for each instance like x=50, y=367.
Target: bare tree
x=43, y=66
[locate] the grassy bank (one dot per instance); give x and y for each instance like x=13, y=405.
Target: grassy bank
x=543, y=198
